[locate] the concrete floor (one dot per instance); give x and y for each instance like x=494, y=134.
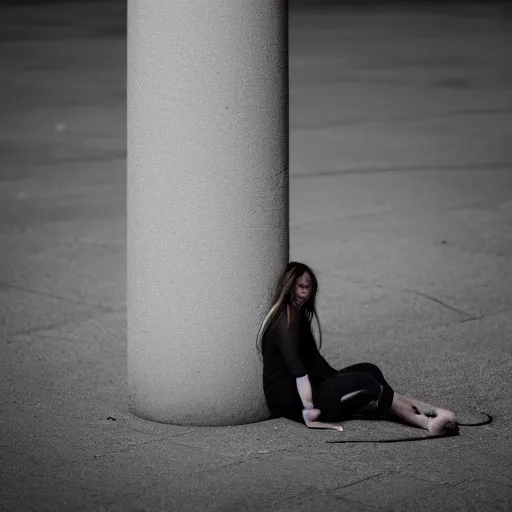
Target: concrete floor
x=400, y=199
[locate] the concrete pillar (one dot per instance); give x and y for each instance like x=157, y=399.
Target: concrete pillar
x=207, y=203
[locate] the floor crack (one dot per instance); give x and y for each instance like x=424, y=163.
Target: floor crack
x=469, y=316
x=10, y=286
x=490, y=166
x=107, y=454
x=344, y=486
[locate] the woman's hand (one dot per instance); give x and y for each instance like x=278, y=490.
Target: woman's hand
x=310, y=416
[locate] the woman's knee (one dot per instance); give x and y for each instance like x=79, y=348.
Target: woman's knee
x=366, y=384
x=374, y=386
x=365, y=390
x=372, y=369
x=380, y=391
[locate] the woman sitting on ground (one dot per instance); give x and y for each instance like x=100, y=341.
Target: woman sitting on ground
x=300, y=385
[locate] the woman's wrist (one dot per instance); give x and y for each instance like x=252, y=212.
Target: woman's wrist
x=310, y=415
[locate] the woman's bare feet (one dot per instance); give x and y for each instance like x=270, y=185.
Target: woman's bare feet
x=443, y=422
x=434, y=419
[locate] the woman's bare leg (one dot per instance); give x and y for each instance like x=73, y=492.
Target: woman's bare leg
x=423, y=415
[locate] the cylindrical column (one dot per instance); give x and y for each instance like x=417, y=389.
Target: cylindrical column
x=207, y=203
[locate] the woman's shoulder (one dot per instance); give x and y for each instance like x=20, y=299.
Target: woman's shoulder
x=279, y=319
x=277, y=323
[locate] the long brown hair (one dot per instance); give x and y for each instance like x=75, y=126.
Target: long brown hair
x=282, y=293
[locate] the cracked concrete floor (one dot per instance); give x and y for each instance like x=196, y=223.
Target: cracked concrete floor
x=400, y=199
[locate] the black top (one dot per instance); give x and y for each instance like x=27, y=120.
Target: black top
x=289, y=353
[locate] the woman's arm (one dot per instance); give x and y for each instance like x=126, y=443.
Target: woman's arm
x=305, y=392
x=310, y=414
x=288, y=346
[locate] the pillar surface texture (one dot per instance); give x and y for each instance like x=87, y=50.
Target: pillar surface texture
x=207, y=203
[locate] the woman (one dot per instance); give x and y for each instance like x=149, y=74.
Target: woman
x=300, y=385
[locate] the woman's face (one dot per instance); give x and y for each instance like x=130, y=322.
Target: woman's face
x=302, y=290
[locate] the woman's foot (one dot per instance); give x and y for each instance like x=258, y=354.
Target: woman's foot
x=443, y=422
